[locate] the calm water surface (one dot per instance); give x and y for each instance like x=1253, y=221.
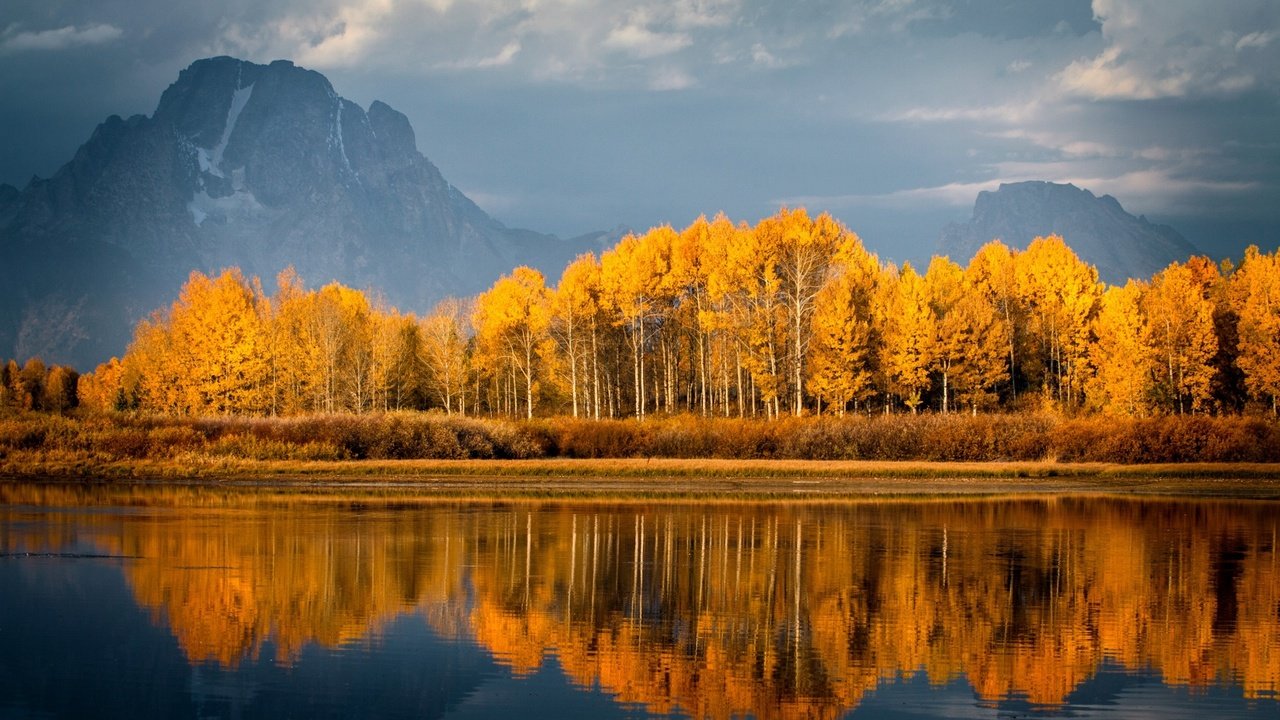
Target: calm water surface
x=200, y=603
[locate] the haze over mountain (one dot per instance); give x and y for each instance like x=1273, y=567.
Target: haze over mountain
x=257, y=166
x=1097, y=228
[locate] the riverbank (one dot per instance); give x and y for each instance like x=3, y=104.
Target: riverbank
x=664, y=478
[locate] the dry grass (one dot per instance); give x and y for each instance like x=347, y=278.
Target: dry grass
x=413, y=444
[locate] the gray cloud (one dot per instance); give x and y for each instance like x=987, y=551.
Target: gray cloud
x=572, y=115
x=14, y=40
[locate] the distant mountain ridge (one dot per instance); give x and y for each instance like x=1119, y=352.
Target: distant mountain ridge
x=258, y=166
x=1097, y=228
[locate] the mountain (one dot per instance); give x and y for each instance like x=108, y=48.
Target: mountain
x=257, y=166
x=1097, y=228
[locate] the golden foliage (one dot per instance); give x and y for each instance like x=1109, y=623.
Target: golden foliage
x=789, y=316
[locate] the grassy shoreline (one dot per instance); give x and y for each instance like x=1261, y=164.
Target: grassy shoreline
x=679, y=456
x=667, y=478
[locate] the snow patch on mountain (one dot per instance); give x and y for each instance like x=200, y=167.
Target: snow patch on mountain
x=239, y=99
x=238, y=205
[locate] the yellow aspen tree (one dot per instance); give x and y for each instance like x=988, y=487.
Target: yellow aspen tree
x=657, y=247
x=631, y=277
x=356, y=366
x=910, y=332
x=512, y=320
x=724, y=318
x=806, y=249
x=691, y=258
x=444, y=353
x=1120, y=356
x=394, y=351
x=1180, y=332
x=219, y=343
x=1256, y=296
x=982, y=337
x=322, y=338
x=575, y=308
x=1061, y=293
x=844, y=344
x=149, y=367
x=101, y=390
x=758, y=311
x=992, y=273
x=944, y=283
x=298, y=376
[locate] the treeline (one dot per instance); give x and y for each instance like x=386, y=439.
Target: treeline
x=33, y=386
x=792, y=316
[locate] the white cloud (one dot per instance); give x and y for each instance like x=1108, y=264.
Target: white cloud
x=14, y=40
x=761, y=57
x=641, y=42
x=1178, y=48
x=1255, y=39
x=1009, y=113
x=671, y=79
x=499, y=59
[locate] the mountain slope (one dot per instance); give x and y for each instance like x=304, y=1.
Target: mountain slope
x=260, y=166
x=1097, y=228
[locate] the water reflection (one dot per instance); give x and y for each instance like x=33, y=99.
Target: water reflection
x=712, y=610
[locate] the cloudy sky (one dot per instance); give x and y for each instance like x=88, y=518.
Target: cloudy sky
x=567, y=116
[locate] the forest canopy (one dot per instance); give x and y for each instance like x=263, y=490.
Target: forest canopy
x=791, y=316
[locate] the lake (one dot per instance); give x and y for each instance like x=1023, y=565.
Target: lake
x=199, y=602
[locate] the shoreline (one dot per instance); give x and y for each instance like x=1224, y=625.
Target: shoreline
x=660, y=478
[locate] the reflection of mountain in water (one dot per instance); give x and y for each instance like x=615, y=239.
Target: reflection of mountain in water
x=791, y=612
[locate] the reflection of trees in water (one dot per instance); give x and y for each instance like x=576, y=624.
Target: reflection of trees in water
x=779, y=612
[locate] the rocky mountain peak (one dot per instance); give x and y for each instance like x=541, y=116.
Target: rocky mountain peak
x=258, y=166
x=1097, y=228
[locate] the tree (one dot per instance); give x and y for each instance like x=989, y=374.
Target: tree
x=1061, y=293
x=1256, y=295
x=725, y=317
x=444, y=353
x=845, y=340
x=60, y=389
x=8, y=376
x=993, y=274
x=1181, y=335
x=28, y=385
x=575, y=309
x=512, y=320
x=215, y=347
x=395, y=351
x=910, y=335
x=103, y=389
x=1120, y=355
x=982, y=364
x=631, y=281
x=805, y=250
x=749, y=283
x=944, y=283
